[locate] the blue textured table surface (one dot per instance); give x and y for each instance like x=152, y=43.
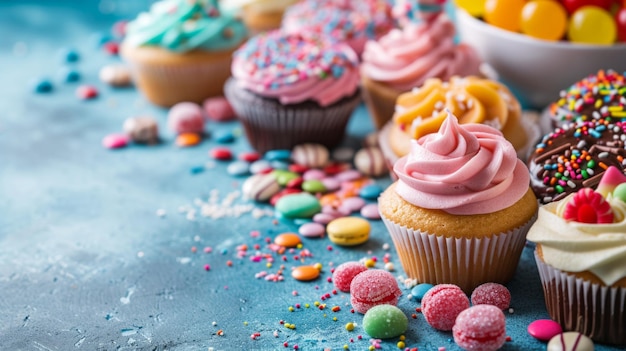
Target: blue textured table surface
x=86, y=263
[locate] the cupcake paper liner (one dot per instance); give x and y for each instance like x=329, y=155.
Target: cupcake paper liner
x=437, y=259
x=595, y=310
x=271, y=125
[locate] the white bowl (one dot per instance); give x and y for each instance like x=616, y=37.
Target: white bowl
x=536, y=70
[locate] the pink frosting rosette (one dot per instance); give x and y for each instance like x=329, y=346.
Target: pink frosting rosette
x=462, y=169
x=405, y=58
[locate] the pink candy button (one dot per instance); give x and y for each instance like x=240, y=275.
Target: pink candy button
x=115, y=141
x=544, y=329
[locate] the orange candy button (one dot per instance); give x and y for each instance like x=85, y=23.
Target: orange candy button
x=287, y=239
x=188, y=139
x=305, y=273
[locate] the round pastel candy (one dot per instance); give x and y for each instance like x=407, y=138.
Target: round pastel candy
x=544, y=329
x=442, y=304
x=186, y=117
x=260, y=187
x=260, y=166
x=301, y=205
x=592, y=25
x=313, y=186
x=323, y=218
x=385, y=321
x=348, y=175
x=348, y=231
x=370, y=192
x=345, y=272
x=314, y=174
x=504, y=14
x=287, y=239
x=544, y=19
x=142, y=129
x=279, y=164
x=370, y=211
x=86, y=92
x=310, y=155
x=218, y=109
x=491, y=294
x=570, y=341
x=42, y=85
x=620, y=192
x=278, y=155
x=188, y=139
x=69, y=55
x=352, y=204
x=284, y=177
x=331, y=183
x=249, y=156
x=312, y=230
x=115, y=75
x=373, y=287
x=115, y=141
x=370, y=161
x=221, y=153
x=69, y=74
x=420, y=290
x=305, y=273
x=480, y=327
x=274, y=199
x=224, y=136
x=238, y=168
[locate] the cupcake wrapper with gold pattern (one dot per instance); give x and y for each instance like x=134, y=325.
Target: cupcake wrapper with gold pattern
x=167, y=78
x=529, y=123
x=271, y=125
x=578, y=305
x=436, y=259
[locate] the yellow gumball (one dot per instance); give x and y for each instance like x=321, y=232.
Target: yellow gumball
x=592, y=25
x=505, y=14
x=544, y=19
x=475, y=8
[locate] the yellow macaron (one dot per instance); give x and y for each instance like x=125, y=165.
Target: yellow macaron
x=348, y=231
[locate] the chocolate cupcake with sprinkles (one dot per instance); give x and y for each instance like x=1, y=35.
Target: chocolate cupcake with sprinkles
x=576, y=156
x=599, y=95
x=288, y=89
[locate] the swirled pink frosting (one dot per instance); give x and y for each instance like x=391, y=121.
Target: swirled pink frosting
x=293, y=69
x=405, y=58
x=462, y=169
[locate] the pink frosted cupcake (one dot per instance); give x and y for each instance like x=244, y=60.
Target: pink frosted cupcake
x=404, y=58
x=289, y=90
x=351, y=21
x=580, y=253
x=461, y=208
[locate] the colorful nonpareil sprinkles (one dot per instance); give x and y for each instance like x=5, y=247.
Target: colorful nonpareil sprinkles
x=277, y=60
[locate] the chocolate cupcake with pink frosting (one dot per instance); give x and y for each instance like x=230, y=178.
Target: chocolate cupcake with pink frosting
x=424, y=47
x=461, y=208
x=289, y=89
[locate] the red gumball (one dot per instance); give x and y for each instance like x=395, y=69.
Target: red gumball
x=573, y=5
x=620, y=21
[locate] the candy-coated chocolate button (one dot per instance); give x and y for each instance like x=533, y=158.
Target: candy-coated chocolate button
x=312, y=230
x=287, y=239
x=370, y=211
x=284, y=177
x=188, y=139
x=544, y=329
x=221, y=153
x=303, y=205
x=115, y=141
x=281, y=155
x=305, y=273
x=420, y=290
x=313, y=186
x=371, y=191
x=348, y=231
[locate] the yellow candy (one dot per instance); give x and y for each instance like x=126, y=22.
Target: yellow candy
x=348, y=231
x=504, y=14
x=592, y=25
x=475, y=8
x=544, y=19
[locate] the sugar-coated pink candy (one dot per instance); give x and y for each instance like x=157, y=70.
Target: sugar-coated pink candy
x=442, y=304
x=115, y=141
x=218, y=109
x=370, y=211
x=480, y=327
x=491, y=294
x=373, y=287
x=186, y=117
x=312, y=230
x=345, y=273
x=221, y=153
x=544, y=329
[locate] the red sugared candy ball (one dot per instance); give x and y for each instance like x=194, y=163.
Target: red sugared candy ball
x=492, y=294
x=373, y=287
x=588, y=206
x=442, y=304
x=620, y=21
x=481, y=327
x=345, y=272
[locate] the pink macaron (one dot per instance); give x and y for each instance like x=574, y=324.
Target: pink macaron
x=373, y=287
x=345, y=273
x=186, y=117
x=480, y=327
x=442, y=304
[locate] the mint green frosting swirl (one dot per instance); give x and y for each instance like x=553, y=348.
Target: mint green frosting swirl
x=184, y=25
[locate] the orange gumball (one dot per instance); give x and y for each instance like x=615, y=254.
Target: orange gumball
x=505, y=14
x=544, y=19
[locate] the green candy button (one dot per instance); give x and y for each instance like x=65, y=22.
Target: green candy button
x=385, y=321
x=301, y=205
